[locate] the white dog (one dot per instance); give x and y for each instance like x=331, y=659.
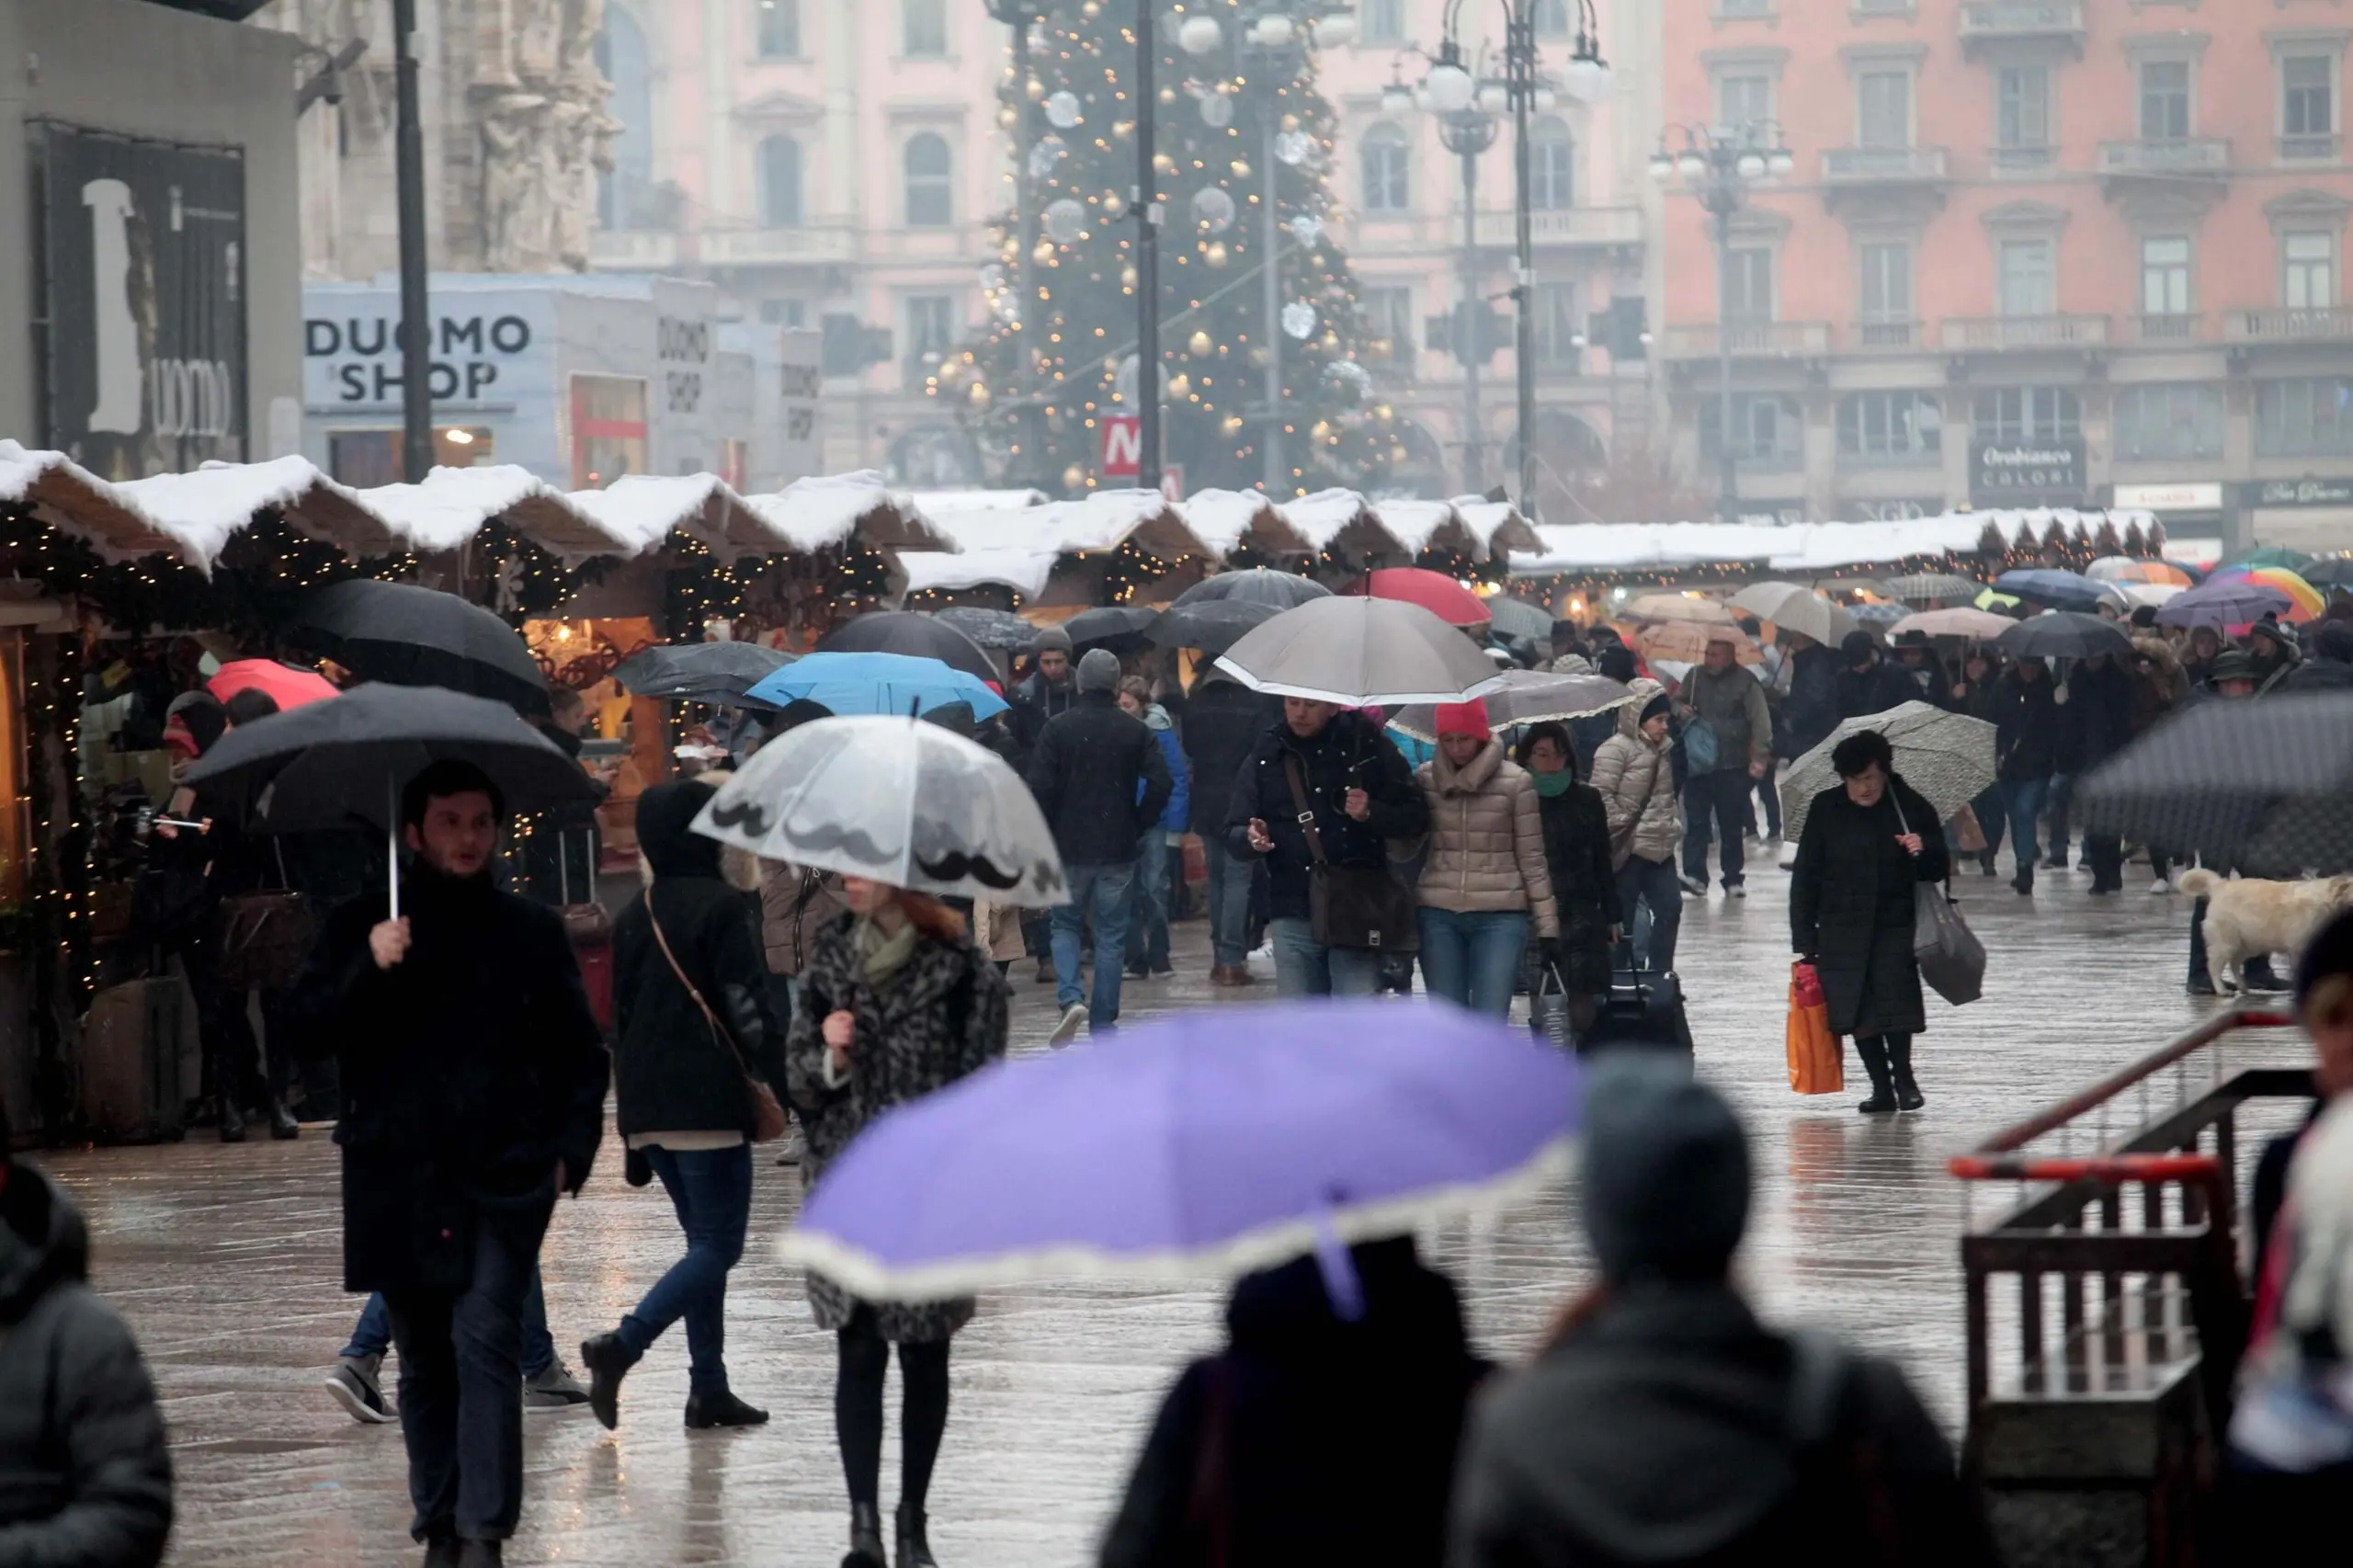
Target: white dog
x=2246, y=918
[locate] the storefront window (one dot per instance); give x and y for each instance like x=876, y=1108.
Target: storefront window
x=607, y=429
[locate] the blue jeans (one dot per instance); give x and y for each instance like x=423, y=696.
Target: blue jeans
x=1651, y=884
x=2022, y=798
x=1722, y=795
x=1100, y=892
x=1148, y=904
x=1230, y=876
x=1304, y=967
x=712, y=1190
x=372, y=1335
x=1473, y=959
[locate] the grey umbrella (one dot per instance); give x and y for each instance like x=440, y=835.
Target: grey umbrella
x=1936, y=588
x=1948, y=758
x=2064, y=634
x=717, y=673
x=1284, y=590
x=1212, y=625
x=1526, y=697
x=1358, y=652
x=1517, y=620
x=2265, y=786
x=1793, y=608
x=994, y=629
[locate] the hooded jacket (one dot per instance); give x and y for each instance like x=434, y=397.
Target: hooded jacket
x=85, y=1475
x=2096, y=719
x=2162, y=687
x=1100, y=778
x=1486, y=848
x=1635, y=777
x=1177, y=815
x=672, y=1071
x=2026, y=720
x=1222, y=720
x=1811, y=711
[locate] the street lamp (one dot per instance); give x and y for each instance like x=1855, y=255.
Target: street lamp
x=1021, y=16
x=1719, y=164
x=1466, y=131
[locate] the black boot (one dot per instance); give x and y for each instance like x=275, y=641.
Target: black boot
x=2024, y=882
x=721, y=1409
x=282, y=1125
x=483, y=1554
x=1899, y=1061
x=232, y=1121
x=864, y=1538
x=1874, y=1055
x=608, y=1361
x=441, y=1552
x=915, y=1551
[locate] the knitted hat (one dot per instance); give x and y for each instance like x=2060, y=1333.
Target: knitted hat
x=1050, y=640
x=1099, y=671
x=1667, y=1181
x=1858, y=647
x=1656, y=708
x=1463, y=719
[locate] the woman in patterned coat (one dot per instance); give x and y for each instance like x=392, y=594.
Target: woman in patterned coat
x=896, y=1001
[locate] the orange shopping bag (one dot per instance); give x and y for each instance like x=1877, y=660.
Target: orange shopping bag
x=1816, y=1064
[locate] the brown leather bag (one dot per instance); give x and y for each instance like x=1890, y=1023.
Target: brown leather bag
x=767, y=1111
x=1363, y=907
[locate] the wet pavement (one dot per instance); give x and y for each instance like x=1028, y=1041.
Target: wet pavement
x=225, y=1260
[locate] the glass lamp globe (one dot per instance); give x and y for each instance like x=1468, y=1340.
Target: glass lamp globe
x=1663, y=166
x=1691, y=167
x=1199, y=35
x=1751, y=165
x=1588, y=80
x=1494, y=97
x=1272, y=32
x=1332, y=31
x=1451, y=89
x=1781, y=162
x=1396, y=98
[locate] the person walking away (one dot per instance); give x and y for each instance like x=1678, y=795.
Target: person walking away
x=1576, y=853
x=1810, y=709
x=1485, y=875
x=1766, y=787
x=1151, y=909
x=694, y=1033
x=2098, y=713
x=86, y=1478
x=1267, y=1452
x=2158, y=688
x=1045, y=694
x=1662, y=1423
x=1099, y=776
x=474, y=1077
x=1975, y=694
x=2231, y=679
x=1867, y=683
x=896, y=1003
x=2026, y=751
x=1728, y=744
x=1634, y=776
x=1360, y=795
x=2331, y=667
x=1224, y=722
x=1869, y=841
x=1917, y=660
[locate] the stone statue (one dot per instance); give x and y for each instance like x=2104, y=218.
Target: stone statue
x=540, y=101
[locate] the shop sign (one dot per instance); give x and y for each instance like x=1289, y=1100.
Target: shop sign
x=683, y=344
x=351, y=359
x=2015, y=473
x=1122, y=454
x=145, y=341
x=2300, y=492
x=2191, y=497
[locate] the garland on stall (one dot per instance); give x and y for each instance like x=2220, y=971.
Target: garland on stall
x=59, y=919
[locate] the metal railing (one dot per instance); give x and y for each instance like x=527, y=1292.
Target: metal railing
x=2189, y=156
x=2021, y=18
x=1749, y=339
x=2305, y=149
x=2025, y=331
x=2288, y=325
x=1883, y=334
x=2169, y=328
x=1882, y=166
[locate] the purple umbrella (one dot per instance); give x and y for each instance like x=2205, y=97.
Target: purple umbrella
x=2233, y=601
x=1211, y=1143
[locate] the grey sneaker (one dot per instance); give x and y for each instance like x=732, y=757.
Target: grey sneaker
x=554, y=1389
x=1074, y=1019
x=1735, y=890
x=1693, y=886
x=355, y=1387
x=793, y=1146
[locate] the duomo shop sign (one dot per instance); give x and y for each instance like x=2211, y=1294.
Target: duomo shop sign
x=2013, y=473
x=354, y=360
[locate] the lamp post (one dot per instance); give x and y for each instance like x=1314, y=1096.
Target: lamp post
x=1019, y=16
x=1145, y=200
x=1450, y=90
x=417, y=325
x=1720, y=164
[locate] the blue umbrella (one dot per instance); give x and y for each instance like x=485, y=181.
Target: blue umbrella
x=2060, y=590
x=1879, y=613
x=877, y=682
x=1212, y=1142
x=2230, y=601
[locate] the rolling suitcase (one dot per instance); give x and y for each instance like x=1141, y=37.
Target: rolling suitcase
x=138, y=1045
x=1643, y=1008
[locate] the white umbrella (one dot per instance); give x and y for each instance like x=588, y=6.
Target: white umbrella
x=1526, y=697
x=1793, y=608
x=1948, y=758
x=895, y=800
x=1359, y=651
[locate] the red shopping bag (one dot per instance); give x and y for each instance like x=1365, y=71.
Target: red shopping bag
x=1816, y=1064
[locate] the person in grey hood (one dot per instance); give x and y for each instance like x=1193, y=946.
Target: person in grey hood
x=85, y=1480
x=1663, y=1424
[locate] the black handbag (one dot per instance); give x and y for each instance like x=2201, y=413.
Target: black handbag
x=1351, y=907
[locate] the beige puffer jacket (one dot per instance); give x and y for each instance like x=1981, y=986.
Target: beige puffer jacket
x=1486, y=848
x=795, y=904
x=1637, y=783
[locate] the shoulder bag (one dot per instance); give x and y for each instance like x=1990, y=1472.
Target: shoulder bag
x=1350, y=906
x=266, y=936
x=767, y=1112
x=1952, y=961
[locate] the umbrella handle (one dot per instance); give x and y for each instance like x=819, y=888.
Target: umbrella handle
x=393, y=852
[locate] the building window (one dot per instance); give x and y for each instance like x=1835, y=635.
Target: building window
x=1883, y=109
x=1558, y=331
x=1748, y=286
x=931, y=333
x=2308, y=417
x=2157, y=423
x=777, y=28
x=924, y=28
x=1389, y=317
x=2308, y=107
x=2022, y=115
x=779, y=160
x=2165, y=277
x=1744, y=98
x=2308, y=271
x=1768, y=429
x=1743, y=7
x=1388, y=165
x=625, y=192
x=2164, y=100
x=2024, y=278
x=1886, y=319
x=1551, y=18
x=930, y=190
x=793, y=314
x=2014, y=416
x=1551, y=167
x=1890, y=427
x=1382, y=21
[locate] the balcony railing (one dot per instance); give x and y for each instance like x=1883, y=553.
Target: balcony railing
x=1887, y=334
x=1561, y=226
x=1749, y=339
x=2190, y=155
x=633, y=250
x=2170, y=329
x=2022, y=160
x=770, y=247
x=2025, y=331
x=2308, y=149
x=1982, y=20
x=1882, y=166
x=2289, y=325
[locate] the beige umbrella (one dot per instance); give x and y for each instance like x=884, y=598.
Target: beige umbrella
x=1678, y=606
x=1793, y=608
x=1686, y=641
x=1978, y=625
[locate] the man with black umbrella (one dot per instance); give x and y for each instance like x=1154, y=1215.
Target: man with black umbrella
x=474, y=1078
x=1869, y=683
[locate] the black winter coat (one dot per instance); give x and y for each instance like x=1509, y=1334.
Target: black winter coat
x=469, y=1070
x=1101, y=778
x=85, y=1480
x=1811, y=711
x=1875, y=690
x=1222, y=722
x=2026, y=721
x=670, y=1072
x=1033, y=705
x=1852, y=905
x=1308, y=1441
x=1659, y=1431
x=2096, y=722
x=1349, y=754
x=1585, y=889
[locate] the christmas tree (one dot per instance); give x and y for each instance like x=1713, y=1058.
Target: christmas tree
x=1238, y=121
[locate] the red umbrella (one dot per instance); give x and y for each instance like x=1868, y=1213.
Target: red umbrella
x=292, y=688
x=1434, y=591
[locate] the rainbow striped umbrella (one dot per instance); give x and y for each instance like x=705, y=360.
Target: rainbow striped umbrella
x=2308, y=601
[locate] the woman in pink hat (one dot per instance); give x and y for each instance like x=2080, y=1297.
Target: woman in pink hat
x=1485, y=877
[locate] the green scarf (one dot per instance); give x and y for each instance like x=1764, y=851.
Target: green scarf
x=1553, y=785
x=881, y=955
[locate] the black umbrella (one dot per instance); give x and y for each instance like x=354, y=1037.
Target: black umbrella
x=1212, y=626
x=922, y=636
x=1284, y=590
x=2330, y=571
x=998, y=628
x=2064, y=635
x=1106, y=627
x=412, y=636
x=2265, y=786
x=718, y=673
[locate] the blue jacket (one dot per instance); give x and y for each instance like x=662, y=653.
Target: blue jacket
x=1178, y=817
